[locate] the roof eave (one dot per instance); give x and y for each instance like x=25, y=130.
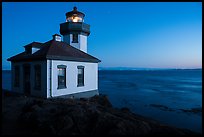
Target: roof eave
x=72, y=59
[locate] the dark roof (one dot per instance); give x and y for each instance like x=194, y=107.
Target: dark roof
x=34, y=44
x=56, y=35
x=68, y=14
x=55, y=50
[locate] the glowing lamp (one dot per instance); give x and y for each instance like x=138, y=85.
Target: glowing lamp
x=75, y=16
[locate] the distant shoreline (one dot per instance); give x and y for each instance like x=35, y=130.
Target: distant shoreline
x=147, y=69
x=136, y=69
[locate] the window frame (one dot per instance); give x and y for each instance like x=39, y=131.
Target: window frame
x=80, y=83
x=60, y=86
x=16, y=76
x=38, y=71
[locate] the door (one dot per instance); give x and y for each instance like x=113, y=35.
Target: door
x=26, y=79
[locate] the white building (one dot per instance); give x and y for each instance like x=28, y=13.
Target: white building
x=58, y=68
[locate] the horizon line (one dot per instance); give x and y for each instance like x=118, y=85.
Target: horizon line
x=141, y=68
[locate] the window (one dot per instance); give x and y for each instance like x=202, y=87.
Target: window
x=17, y=76
x=80, y=76
x=61, y=76
x=37, y=77
x=75, y=38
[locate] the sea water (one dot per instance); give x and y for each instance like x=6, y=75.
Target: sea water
x=172, y=97
x=168, y=96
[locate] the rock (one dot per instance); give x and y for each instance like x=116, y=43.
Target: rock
x=68, y=123
x=124, y=109
x=102, y=100
x=47, y=129
x=27, y=107
x=192, y=110
x=36, y=108
x=94, y=116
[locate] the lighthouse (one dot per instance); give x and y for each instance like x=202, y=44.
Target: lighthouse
x=60, y=67
x=74, y=30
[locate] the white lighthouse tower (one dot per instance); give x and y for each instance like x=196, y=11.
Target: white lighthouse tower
x=74, y=30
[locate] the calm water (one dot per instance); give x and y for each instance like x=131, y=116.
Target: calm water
x=164, y=95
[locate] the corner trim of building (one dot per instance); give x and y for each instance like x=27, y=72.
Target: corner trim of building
x=50, y=79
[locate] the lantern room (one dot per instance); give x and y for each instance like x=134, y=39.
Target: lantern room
x=75, y=31
x=75, y=16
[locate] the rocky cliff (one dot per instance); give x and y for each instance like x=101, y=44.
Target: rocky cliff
x=94, y=116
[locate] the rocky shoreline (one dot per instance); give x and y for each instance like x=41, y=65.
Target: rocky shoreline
x=94, y=116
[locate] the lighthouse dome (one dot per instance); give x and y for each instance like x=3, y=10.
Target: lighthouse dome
x=75, y=16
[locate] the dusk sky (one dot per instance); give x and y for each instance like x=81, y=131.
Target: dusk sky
x=132, y=34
